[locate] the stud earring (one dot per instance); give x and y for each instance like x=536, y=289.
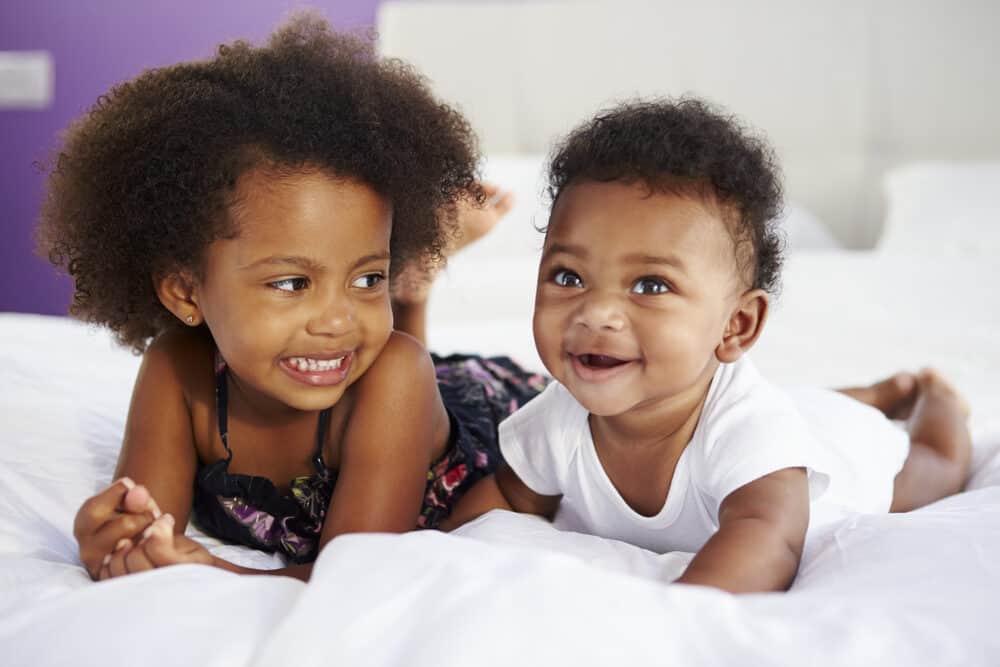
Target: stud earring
x=189, y=319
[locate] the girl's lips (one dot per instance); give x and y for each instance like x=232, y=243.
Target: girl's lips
x=318, y=377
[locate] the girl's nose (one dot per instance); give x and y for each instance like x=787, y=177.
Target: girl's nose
x=600, y=311
x=334, y=315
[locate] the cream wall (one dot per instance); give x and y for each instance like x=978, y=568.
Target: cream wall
x=843, y=89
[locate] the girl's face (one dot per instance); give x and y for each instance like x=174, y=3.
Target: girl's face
x=634, y=294
x=298, y=300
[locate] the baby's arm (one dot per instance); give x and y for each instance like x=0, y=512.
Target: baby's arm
x=762, y=528
x=503, y=490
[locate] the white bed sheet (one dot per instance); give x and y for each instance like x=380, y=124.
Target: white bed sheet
x=915, y=589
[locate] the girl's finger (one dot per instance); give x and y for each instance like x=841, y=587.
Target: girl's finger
x=159, y=545
x=116, y=565
x=139, y=500
x=104, y=573
x=98, y=509
x=112, y=532
x=136, y=560
x=93, y=548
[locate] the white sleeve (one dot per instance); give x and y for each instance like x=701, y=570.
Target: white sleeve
x=752, y=446
x=530, y=442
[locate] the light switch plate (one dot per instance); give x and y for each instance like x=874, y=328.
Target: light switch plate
x=26, y=79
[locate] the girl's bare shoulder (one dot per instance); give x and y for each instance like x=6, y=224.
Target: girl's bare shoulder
x=404, y=360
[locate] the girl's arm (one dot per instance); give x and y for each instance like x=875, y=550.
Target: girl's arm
x=397, y=425
x=762, y=528
x=397, y=421
x=158, y=452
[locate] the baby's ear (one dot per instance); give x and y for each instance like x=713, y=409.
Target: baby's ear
x=178, y=295
x=744, y=327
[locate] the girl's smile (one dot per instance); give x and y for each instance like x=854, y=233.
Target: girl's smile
x=322, y=370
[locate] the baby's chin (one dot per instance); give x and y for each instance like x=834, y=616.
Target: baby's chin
x=599, y=401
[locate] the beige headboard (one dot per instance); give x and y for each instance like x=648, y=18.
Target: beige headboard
x=843, y=88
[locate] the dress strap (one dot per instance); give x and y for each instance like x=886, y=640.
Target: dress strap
x=222, y=403
x=321, y=429
x=222, y=412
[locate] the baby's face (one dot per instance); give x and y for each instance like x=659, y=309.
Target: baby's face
x=634, y=293
x=298, y=300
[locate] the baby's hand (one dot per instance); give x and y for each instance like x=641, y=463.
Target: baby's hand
x=110, y=520
x=158, y=547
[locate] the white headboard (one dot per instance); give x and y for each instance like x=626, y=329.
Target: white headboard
x=844, y=89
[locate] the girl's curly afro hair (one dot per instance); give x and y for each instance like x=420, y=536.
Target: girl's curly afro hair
x=688, y=148
x=144, y=179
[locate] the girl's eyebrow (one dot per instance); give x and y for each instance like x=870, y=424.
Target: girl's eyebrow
x=311, y=264
x=297, y=260
x=372, y=257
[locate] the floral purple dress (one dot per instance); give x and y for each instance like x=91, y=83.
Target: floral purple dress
x=478, y=393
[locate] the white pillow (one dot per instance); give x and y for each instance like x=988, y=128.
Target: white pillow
x=804, y=231
x=943, y=207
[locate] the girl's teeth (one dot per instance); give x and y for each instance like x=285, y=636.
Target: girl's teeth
x=306, y=364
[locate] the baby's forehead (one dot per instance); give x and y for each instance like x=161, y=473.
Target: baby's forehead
x=626, y=219
x=620, y=211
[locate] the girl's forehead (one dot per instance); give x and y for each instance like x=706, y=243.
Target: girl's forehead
x=266, y=205
x=306, y=215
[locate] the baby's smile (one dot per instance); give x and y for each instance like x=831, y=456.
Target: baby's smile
x=600, y=361
x=591, y=367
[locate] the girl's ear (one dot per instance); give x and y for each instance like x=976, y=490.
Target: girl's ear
x=744, y=327
x=178, y=295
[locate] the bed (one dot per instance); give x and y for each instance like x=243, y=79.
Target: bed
x=915, y=589
x=891, y=264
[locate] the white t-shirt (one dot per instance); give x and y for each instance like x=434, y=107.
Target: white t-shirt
x=747, y=429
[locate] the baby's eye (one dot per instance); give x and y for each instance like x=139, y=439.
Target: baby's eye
x=566, y=278
x=650, y=285
x=290, y=284
x=368, y=281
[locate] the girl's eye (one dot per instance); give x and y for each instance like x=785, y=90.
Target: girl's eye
x=290, y=284
x=368, y=281
x=649, y=285
x=566, y=278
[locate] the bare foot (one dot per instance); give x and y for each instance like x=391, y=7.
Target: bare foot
x=894, y=396
x=940, y=446
x=413, y=285
x=939, y=416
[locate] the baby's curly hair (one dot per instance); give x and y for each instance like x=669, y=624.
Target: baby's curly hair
x=145, y=179
x=687, y=148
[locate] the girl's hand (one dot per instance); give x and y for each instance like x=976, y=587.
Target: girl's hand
x=110, y=520
x=158, y=547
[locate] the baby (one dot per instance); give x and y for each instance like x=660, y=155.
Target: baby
x=659, y=262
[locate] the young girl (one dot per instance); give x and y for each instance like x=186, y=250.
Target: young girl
x=658, y=262
x=237, y=221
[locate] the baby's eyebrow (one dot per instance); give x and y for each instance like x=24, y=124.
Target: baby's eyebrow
x=566, y=249
x=643, y=258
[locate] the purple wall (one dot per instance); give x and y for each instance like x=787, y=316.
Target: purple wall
x=95, y=45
